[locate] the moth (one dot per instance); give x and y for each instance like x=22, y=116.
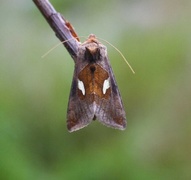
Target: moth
x=94, y=93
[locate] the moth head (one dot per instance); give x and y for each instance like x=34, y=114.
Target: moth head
x=92, y=38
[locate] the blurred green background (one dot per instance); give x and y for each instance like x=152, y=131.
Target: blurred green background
x=155, y=37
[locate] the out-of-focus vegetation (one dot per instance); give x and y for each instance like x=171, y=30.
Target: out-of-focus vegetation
x=155, y=36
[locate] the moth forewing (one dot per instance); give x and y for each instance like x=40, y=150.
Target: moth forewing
x=111, y=112
x=94, y=92
x=79, y=114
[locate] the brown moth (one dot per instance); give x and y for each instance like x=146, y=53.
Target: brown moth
x=94, y=92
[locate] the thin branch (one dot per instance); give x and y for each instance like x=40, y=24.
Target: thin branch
x=61, y=27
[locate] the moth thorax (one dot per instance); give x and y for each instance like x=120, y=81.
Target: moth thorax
x=92, y=53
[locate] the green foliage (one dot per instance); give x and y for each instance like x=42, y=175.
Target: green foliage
x=34, y=142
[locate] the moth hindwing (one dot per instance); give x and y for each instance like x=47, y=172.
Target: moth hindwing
x=94, y=92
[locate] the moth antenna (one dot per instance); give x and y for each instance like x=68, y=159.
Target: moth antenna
x=119, y=53
x=56, y=47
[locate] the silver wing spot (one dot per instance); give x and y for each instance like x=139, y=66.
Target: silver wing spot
x=106, y=85
x=81, y=86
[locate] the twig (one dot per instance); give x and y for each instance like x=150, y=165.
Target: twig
x=61, y=27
